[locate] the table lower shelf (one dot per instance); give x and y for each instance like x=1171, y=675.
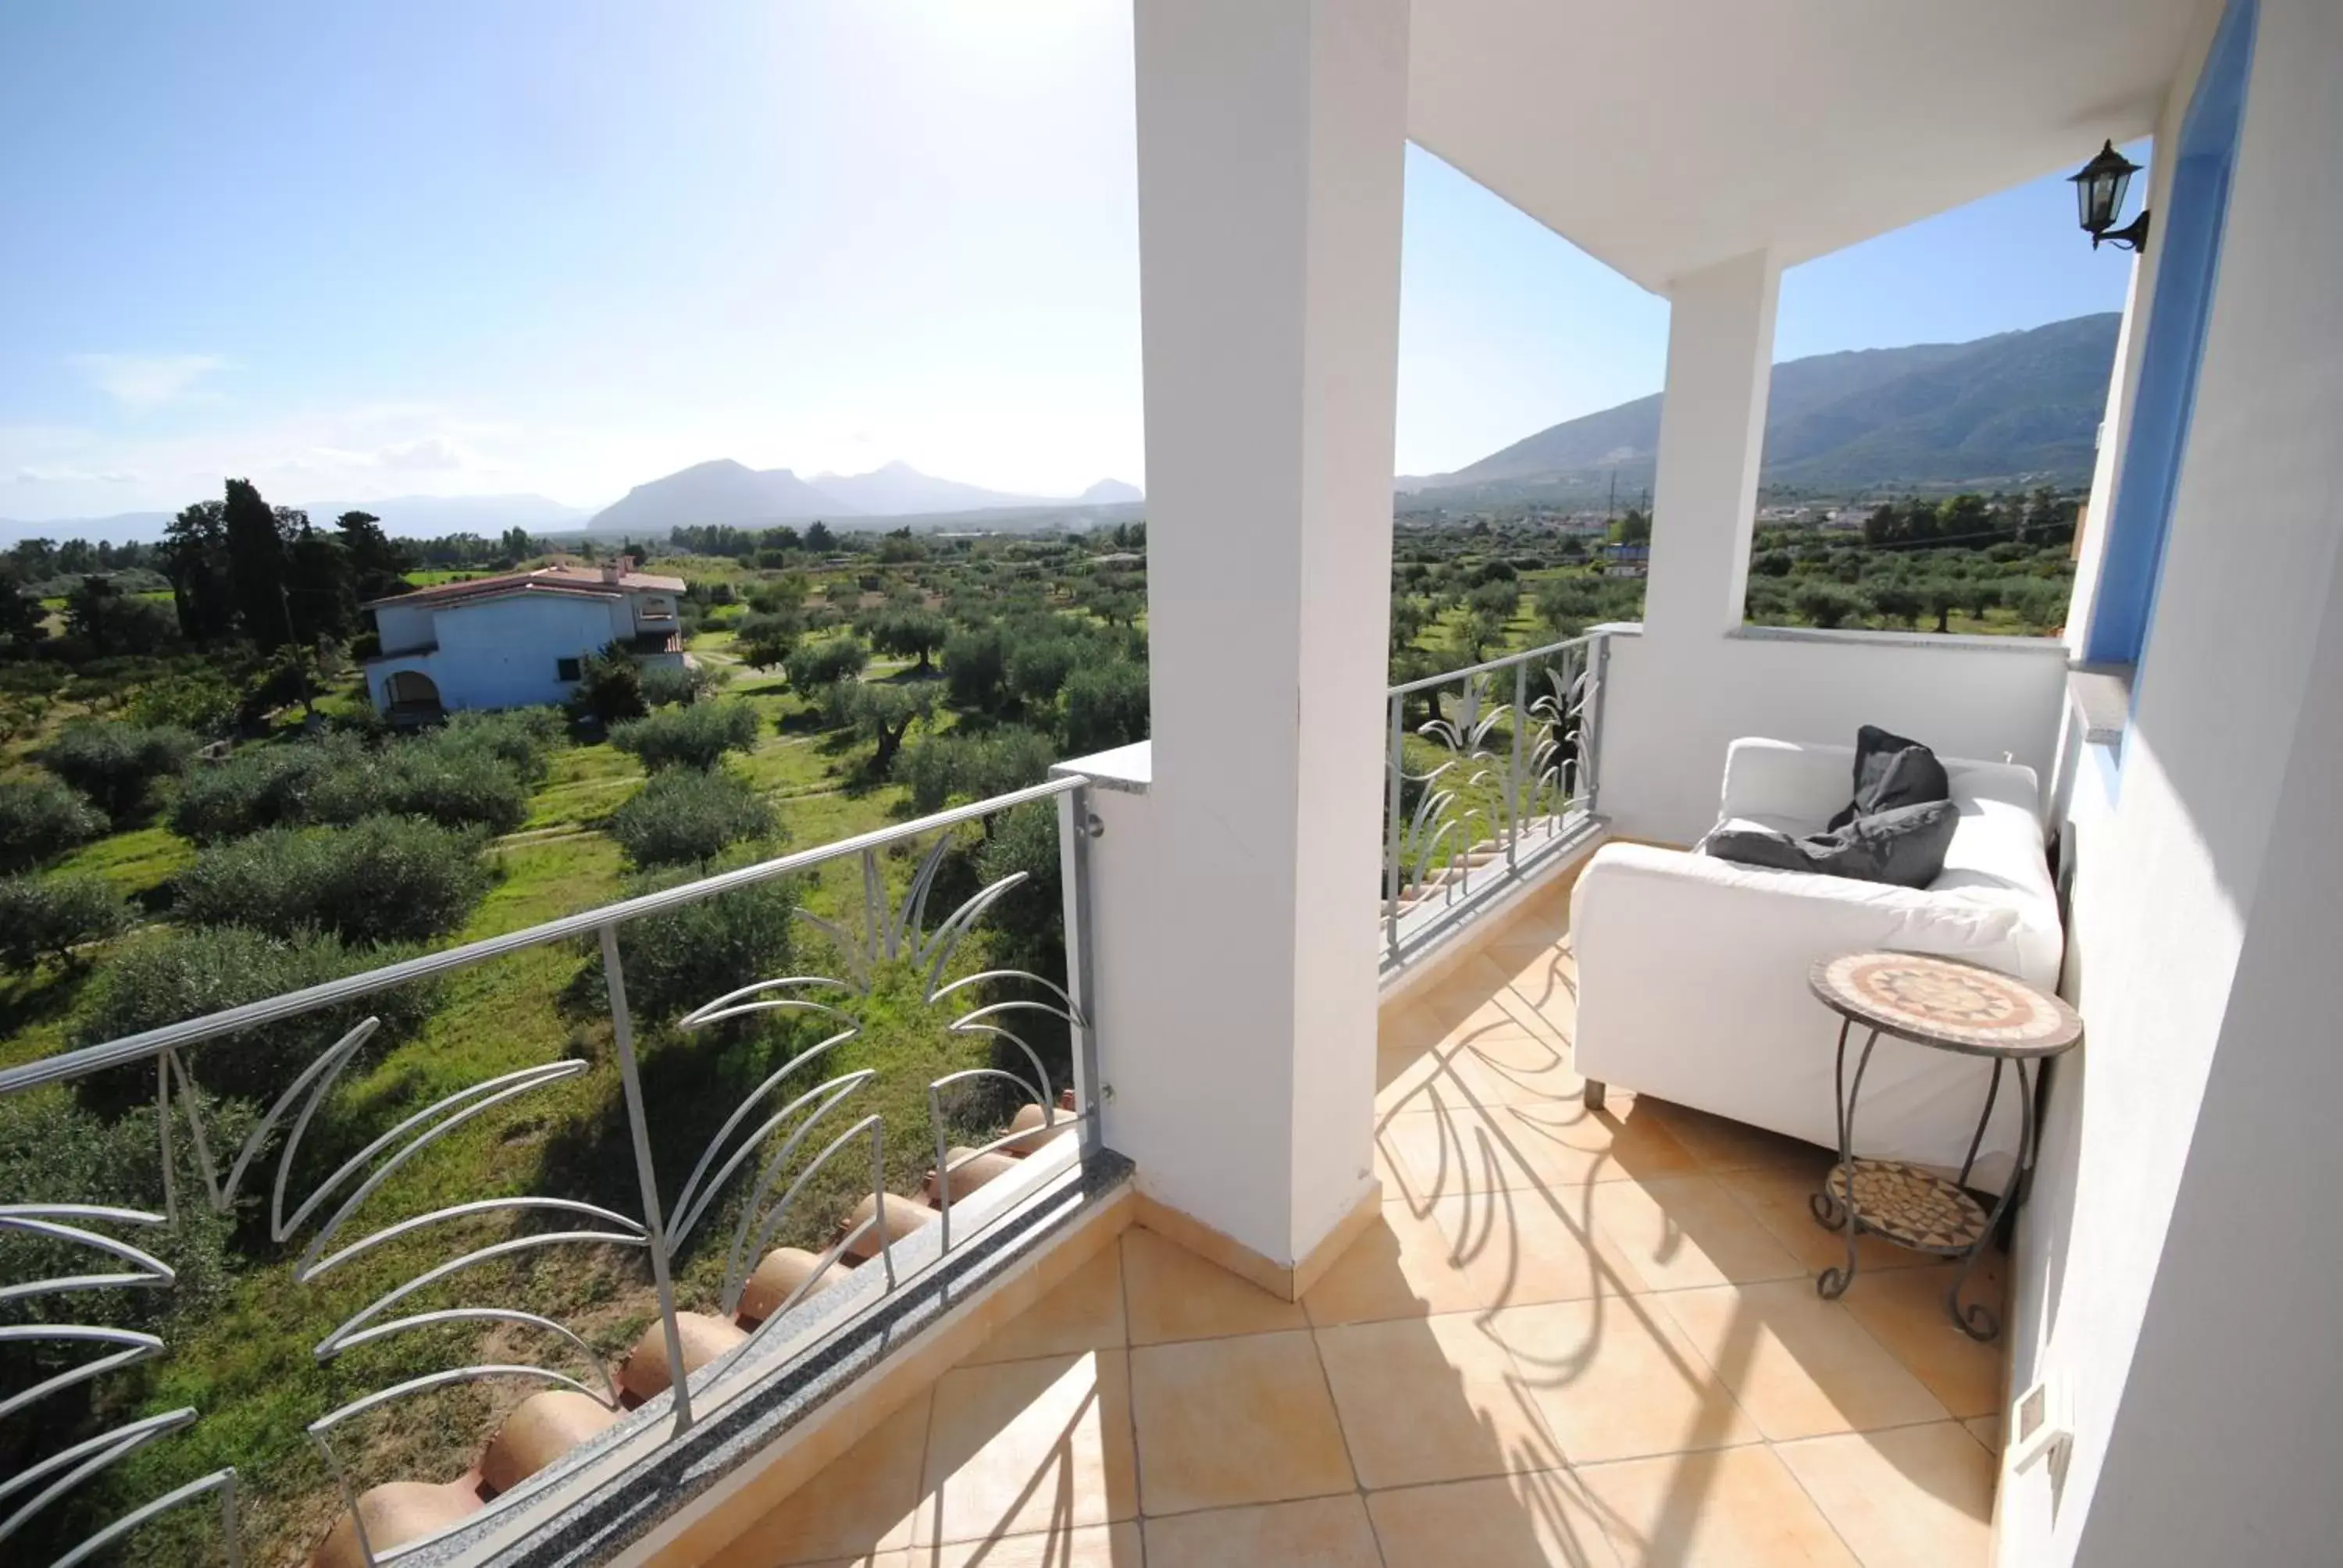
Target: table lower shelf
x=1907, y=1205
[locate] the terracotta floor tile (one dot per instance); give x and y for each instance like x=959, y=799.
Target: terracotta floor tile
x=1401, y=1266
x=1916, y=1497
x=1020, y=1446
x=1404, y=1027
x=1684, y=1230
x=1547, y=980
x=1987, y=1430
x=1432, y=1399
x=1540, y=1520
x=1721, y=1144
x=1074, y=1546
x=1171, y=1293
x=1083, y=1314
x=862, y=1501
x=1777, y=1195
x=1534, y=1244
x=1616, y=1379
x=898, y=1557
x=1562, y=1141
x=1509, y=1067
x=1903, y=1309
x=1739, y=1508
x=1458, y=1146
x=1226, y=1423
x=1321, y=1533
x=1800, y=1365
x=1401, y=1075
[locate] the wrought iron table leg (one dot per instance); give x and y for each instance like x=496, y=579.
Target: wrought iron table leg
x=1832, y=1282
x=1824, y=1208
x=1977, y=1320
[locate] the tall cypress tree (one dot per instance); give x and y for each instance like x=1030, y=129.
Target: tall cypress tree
x=256, y=564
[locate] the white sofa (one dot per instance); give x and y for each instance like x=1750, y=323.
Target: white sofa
x=1692, y=971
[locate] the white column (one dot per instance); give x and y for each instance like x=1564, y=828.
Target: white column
x=1712, y=438
x=1271, y=143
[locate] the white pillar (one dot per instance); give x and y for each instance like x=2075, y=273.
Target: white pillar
x=1712, y=439
x=1271, y=143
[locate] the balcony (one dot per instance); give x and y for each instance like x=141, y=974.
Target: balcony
x=1565, y=1337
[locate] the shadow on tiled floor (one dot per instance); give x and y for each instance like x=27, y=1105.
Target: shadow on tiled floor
x=1573, y=1338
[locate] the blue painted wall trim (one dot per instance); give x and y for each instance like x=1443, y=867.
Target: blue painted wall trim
x=2132, y=565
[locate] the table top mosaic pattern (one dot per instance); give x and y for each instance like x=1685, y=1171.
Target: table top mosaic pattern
x=1908, y=1205
x=1942, y=1001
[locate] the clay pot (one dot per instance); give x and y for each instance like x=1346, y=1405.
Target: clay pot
x=904, y=1216
x=967, y=1177
x=541, y=1429
x=1029, y=1120
x=776, y=1279
x=704, y=1339
x=396, y=1512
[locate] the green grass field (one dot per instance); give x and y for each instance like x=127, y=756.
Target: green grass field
x=246, y=1363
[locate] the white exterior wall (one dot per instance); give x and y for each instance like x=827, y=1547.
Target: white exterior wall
x=403, y=626
x=1696, y=680
x=1673, y=705
x=2180, y=1260
x=505, y=652
x=1271, y=137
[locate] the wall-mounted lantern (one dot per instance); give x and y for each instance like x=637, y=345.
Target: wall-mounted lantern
x=2099, y=188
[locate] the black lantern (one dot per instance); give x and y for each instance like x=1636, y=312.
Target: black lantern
x=2099, y=188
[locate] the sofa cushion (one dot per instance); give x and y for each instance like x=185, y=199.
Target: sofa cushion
x=1891, y=771
x=1903, y=846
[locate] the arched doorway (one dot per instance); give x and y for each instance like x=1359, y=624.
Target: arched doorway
x=409, y=688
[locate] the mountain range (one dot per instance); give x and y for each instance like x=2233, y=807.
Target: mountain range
x=731, y=494
x=2016, y=409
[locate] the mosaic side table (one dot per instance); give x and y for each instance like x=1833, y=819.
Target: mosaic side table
x=1945, y=1005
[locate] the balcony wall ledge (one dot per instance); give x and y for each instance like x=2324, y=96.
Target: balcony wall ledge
x=1128, y=769
x=2100, y=695
x=2035, y=647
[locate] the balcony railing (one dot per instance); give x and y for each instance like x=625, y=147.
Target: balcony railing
x=352, y=1133
x=1492, y=773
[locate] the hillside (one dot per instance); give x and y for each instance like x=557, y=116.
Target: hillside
x=721, y=492
x=2016, y=407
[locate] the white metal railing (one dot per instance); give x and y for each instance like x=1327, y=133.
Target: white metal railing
x=1499, y=776
x=338, y=1220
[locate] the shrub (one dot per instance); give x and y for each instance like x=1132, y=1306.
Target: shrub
x=944, y=767
x=814, y=667
x=40, y=820
x=115, y=765
x=684, y=816
x=767, y=637
x=182, y=974
x=679, y=684
x=48, y=917
x=456, y=786
x=676, y=961
x=204, y=702
x=257, y=786
x=53, y=1151
x=520, y=737
x=383, y=879
x=609, y=688
x=1038, y=670
x=694, y=737
x=1106, y=706
x=976, y=666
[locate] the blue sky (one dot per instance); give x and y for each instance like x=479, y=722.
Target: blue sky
x=565, y=245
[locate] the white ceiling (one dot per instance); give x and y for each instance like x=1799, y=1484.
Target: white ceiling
x=1664, y=135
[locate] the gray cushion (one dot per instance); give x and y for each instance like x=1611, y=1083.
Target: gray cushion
x=1905, y=847
x=1892, y=771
